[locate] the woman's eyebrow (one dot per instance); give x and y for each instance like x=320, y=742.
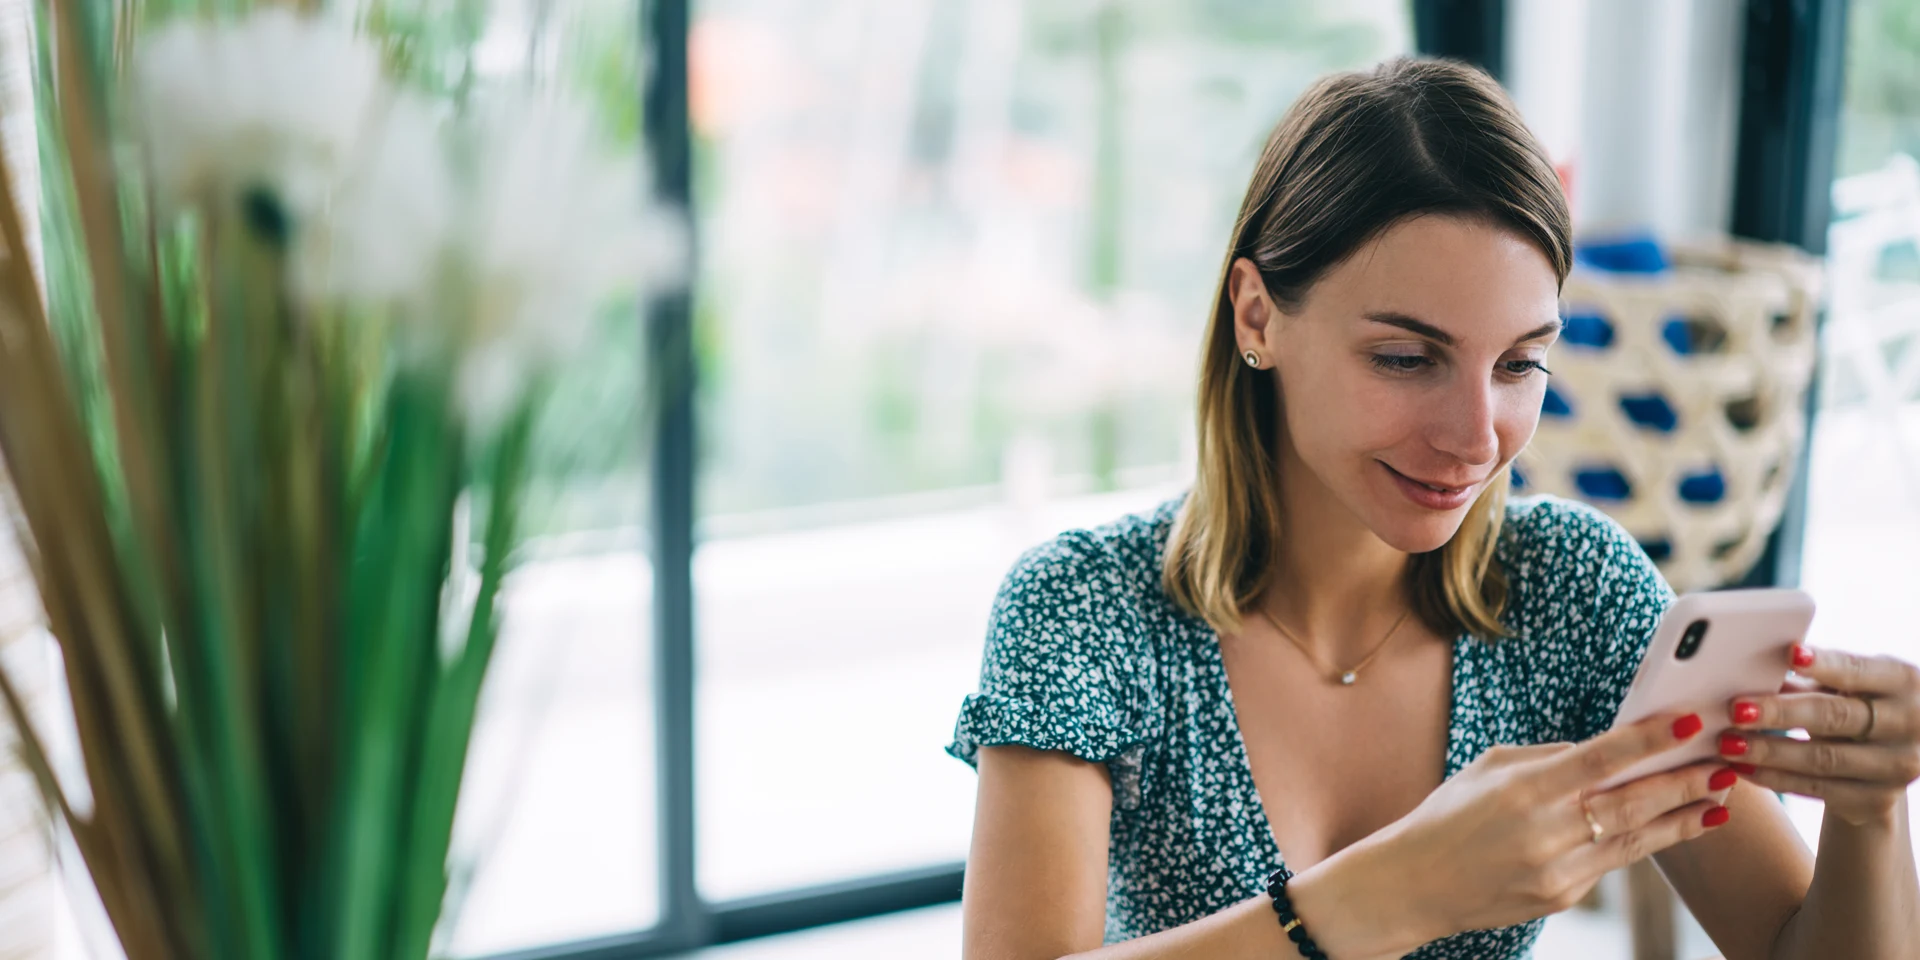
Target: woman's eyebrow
x=1547, y=329
x=1412, y=325
x=1418, y=326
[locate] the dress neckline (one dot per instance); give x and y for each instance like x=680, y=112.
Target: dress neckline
x=1241, y=763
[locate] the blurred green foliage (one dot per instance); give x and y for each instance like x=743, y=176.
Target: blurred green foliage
x=1882, y=106
x=868, y=333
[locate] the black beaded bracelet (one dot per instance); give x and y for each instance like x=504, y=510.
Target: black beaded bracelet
x=1289, y=921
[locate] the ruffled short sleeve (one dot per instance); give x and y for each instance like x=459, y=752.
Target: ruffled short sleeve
x=1062, y=670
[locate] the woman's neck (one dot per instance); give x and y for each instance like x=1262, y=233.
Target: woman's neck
x=1335, y=585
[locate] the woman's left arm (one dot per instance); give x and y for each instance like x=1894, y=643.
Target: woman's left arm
x=1863, y=750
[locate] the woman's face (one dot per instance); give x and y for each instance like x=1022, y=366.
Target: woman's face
x=1411, y=375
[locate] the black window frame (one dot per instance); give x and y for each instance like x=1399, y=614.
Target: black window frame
x=1471, y=31
x=1794, y=53
x=1792, y=84
x=686, y=921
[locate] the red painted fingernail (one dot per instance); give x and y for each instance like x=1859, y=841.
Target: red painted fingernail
x=1732, y=744
x=1716, y=816
x=1802, y=657
x=1744, y=712
x=1687, y=726
x=1722, y=779
x=1745, y=769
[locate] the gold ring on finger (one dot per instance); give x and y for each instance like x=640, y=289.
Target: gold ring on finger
x=1872, y=717
x=1598, y=831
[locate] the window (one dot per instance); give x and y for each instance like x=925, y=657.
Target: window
x=956, y=261
x=558, y=812
x=1861, y=557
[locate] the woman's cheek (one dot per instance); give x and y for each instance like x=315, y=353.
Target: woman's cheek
x=1328, y=406
x=1392, y=411
x=1518, y=418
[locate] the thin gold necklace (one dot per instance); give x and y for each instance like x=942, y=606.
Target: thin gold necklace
x=1347, y=677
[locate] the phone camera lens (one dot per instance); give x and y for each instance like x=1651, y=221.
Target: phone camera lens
x=1690, y=640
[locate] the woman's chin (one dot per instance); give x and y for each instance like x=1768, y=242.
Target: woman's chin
x=1404, y=524
x=1419, y=534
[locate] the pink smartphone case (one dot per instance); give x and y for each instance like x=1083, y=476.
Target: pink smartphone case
x=1745, y=652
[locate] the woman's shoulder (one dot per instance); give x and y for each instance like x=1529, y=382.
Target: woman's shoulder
x=1119, y=554
x=1567, y=561
x=1546, y=537
x=1583, y=602
x=1092, y=588
x=1067, y=665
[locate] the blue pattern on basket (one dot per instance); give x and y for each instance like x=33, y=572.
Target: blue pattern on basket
x=1678, y=333
x=1587, y=328
x=1603, y=483
x=1631, y=254
x=1707, y=486
x=1650, y=410
x=1554, y=404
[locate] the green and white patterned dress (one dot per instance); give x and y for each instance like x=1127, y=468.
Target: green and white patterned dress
x=1086, y=654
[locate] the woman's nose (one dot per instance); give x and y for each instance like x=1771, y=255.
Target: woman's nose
x=1463, y=423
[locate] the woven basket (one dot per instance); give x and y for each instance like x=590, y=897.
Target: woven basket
x=1678, y=403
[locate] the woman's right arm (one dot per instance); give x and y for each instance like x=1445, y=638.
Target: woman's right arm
x=1036, y=884
x=1037, y=873
x=1502, y=842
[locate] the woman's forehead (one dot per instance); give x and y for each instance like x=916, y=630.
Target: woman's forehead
x=1465, y=278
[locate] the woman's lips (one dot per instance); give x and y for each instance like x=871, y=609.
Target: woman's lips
x=1429, y=495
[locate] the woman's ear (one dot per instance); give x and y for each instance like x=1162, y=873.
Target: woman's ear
x=1253, y=309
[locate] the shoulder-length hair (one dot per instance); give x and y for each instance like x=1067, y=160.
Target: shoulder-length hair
x=1356, y=154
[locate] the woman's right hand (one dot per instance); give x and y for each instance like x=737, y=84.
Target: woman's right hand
x=1508, y=839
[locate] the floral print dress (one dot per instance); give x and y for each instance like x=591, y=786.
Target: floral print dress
x=1086, y=654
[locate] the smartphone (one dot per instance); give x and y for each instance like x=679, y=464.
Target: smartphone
x=1710, y=648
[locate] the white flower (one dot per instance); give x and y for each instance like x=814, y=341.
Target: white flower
x=505, y=253
x=559, y=227
x=275, y=101
x=382, y=237
x=295, y=110
x=492, y=375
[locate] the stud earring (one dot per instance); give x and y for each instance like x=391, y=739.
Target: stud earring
x=1253, y=359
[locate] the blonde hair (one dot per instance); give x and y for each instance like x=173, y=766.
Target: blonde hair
x=1357, y=153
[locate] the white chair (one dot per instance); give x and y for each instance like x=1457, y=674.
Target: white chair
x=1869, y=318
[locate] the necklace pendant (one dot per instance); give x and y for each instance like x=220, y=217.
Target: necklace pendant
x=1348, y=678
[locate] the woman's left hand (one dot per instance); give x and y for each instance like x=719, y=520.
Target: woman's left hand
x=1863, y=727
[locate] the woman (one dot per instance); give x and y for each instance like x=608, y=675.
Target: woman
x=1345, y=653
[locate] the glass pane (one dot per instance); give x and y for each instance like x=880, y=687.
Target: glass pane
x=560, y=796
x=558, y=814
x=957, y=256
x=1862, y=559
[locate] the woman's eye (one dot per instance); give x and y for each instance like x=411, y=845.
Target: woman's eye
x=1522, y=368
x=1400, y=362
